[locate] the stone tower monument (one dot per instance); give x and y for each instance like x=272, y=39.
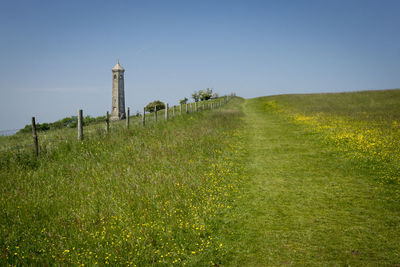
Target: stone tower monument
x=118, y=93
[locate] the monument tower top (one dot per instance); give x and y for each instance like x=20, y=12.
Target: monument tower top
x=118, y=67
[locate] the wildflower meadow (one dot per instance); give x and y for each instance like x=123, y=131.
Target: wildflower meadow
x=363, y=125
x=151, y=195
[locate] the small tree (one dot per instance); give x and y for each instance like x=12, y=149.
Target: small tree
x=196, y=96
x=157, y=103
x=205, y=94
x=183, y=101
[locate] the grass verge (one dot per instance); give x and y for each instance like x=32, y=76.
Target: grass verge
x=145, y=196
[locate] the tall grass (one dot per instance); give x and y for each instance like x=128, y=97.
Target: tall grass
x=47, y=139
x=151, y=195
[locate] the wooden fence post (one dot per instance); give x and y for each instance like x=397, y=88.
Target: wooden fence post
x=180, y=109
x=144, y=117
x=166, y=112
x=155, y=114
x=80, y=124
x=107, y=122
x=195, y=106
x=191, y=107
x=127, y=119
x=35, y=138
x=186, y=108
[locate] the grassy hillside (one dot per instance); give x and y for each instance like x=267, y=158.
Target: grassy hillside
x=152, y=195
x=382, y=104
x=313, y=197
x=304, y=180
x=363, y=125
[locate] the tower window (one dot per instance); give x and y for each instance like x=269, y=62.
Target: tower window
x=115, y=76
x=120, y=76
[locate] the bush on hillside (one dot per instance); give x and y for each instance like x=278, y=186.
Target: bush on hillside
x=205, y=94
x=157, y=103
x=70, y=122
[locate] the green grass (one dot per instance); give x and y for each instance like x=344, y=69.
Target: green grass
x=363, y=125
x=309, y=202
x=371, y=105
x=303, y=180
x=150, y=195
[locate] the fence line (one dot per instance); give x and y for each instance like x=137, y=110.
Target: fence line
x=189, y=108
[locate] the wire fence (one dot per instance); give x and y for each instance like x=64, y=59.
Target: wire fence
x=45, y=140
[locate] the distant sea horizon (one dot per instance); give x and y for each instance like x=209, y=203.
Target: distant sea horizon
x=8, y=132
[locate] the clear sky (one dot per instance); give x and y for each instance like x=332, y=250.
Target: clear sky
x=56, y=56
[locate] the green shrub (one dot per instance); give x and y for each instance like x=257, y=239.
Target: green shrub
x=157, y=103
x=70, y=122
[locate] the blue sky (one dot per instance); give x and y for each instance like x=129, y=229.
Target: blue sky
x=56, y=56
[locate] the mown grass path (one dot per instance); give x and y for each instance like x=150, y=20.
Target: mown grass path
x=305, y=204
